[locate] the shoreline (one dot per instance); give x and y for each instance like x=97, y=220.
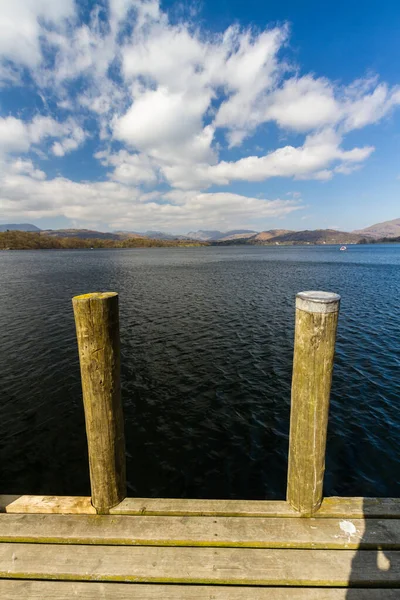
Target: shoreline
x=20, y=240
x=194, y=245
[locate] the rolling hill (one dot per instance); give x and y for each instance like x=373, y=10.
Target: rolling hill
x=83, y=234
x=318, y=236
x=18, y=227
x=387, y=229
x=215, y=235
x=379, y=231
x=264, y=236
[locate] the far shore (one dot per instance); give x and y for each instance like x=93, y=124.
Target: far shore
x=22, y=240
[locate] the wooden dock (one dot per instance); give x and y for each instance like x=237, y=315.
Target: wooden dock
x=111, y=547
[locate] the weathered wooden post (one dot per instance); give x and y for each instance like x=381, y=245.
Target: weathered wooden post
x=314, y=347
x=97, y=328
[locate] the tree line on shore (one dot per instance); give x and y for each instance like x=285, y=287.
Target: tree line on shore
x=383, y=240
x=24, y=240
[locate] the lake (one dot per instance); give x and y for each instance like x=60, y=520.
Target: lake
x=207, y=344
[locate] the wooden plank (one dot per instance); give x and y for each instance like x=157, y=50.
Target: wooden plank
x=357, y=508
x=47, y=504
x=65, y=590
x=334, y=507
x=97, y=331
x=245, y=532
x=314, y=347
x=223, y=566
x=203, y=508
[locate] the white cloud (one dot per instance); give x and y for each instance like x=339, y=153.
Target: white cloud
x=306, y=103
x=26, y=167
x=22, y=23
x=124, y=207
x=75, y=136
x=160, y=116
x=19, y=136
x=229, y=210
x=42, y=127
x=145, y=11
x=14, y=136
x=302, y=104
x=309, y=161
x=249, y=73
x=174, y=105
x=362, y=108
x=9, y=75
x=169, y=55
x=130, y=168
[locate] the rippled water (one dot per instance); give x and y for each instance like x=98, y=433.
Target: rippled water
x=207, y=342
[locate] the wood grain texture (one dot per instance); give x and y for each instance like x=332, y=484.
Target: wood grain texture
x=333, y=507
x=47, y=504
x=65, y=590
x=97, y=329
x=315, y=335
x=357, y=508
x=187, y=507
x=201, y=531
x=225, y=566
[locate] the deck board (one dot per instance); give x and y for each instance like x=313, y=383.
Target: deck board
x=46, y=504
x=65, y=590
x=334, y=507
x=224, y=566
x=255, y=555
x=201, y=531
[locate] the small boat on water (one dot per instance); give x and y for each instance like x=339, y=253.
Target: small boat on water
x=343, y=247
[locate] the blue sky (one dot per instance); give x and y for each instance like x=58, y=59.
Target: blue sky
x=136, y=115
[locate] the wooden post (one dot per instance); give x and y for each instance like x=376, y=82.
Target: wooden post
x=314, y=347
x=97, y=329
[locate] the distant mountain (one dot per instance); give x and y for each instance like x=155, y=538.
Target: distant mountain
x=231, y=236
x=84, y=234
x=128, y=235
x=263, y=236
x=318, y=236
x=18, y=227
x=161, y=235
x=387, y=229
x=204, y=235
x=158, y=235
x=214, y=235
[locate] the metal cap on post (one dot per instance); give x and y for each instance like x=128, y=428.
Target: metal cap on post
x=318, y=302
x=97, y=328
x=314, y=347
